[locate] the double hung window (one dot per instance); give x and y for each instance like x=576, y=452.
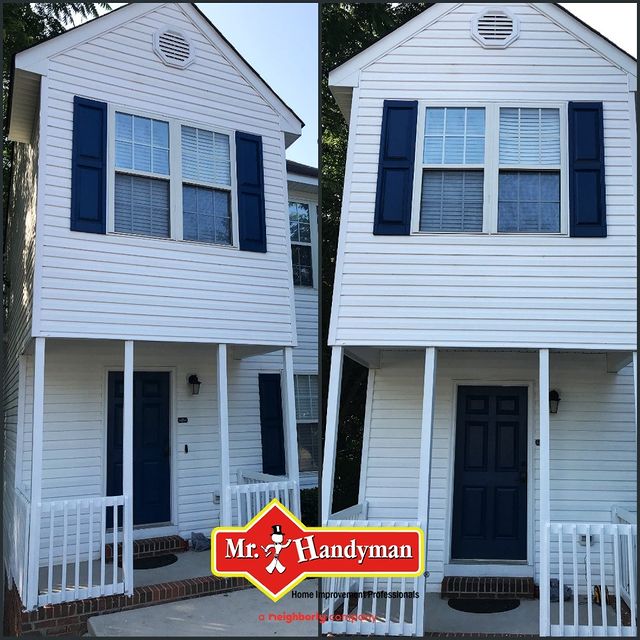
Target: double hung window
x=496, y=169
x=164, y=169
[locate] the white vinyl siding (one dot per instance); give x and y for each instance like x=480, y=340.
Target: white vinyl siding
x=114, y=285
x=594, y=427
x=19, y=269
x=499, y=289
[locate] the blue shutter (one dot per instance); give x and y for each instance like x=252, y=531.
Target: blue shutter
x=251, y=215
x=89, y=166
x=271, y=424
x=587, y=208
x=395, y=168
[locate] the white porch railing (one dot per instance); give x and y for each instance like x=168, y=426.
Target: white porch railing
x=255, y=490
x=619, y=515
x=586, y=557
x=354, y=606
x=19, y=542
x=74, y=536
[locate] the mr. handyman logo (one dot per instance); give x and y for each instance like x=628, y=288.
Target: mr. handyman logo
x=275, y=551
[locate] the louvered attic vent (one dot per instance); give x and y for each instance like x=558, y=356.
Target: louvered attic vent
x=495, y=28
x=173, y=48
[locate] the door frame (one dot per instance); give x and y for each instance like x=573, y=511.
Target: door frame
x=497, y=567
x=148, y=531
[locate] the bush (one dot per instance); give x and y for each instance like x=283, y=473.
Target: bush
x=309, y=506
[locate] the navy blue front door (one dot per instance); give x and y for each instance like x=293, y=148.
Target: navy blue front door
x=490, y=486
x=151, y=444
x=271, y=424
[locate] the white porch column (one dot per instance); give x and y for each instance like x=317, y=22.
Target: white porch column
x=331, y=431
x=36, y=474
x=127, y=468
x=635, y=390
x=223, y=419
x=426, y=434
x=291, y=428
x=545, y=506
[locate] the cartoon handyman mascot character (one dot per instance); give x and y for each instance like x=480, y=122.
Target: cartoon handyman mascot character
x=276, y=537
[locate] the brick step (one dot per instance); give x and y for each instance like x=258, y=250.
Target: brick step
x=487, y=587
x=150, y=547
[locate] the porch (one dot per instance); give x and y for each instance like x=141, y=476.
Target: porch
x=572, y=540
x=75, y=505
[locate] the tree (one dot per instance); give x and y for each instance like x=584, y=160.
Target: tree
x=346, y=30
x=24, y=25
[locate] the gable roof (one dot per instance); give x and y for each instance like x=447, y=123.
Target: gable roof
x=344, y=78
x=31, y=63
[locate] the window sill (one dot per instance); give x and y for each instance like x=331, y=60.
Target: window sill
x=510, y=234
x=121, y=234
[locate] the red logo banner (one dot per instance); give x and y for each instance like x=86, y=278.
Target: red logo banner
x=275, y=551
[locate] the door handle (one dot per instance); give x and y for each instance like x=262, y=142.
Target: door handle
x=523, y=476
x=166, y=452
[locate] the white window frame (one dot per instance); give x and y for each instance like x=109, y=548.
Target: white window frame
x=313, y=218
x=174, y=178
x=491, y=166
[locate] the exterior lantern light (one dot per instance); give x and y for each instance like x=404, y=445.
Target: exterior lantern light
x=195, y=384
x=554, y=400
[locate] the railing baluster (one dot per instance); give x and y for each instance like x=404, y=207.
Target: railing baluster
x=50, y=569
x=403, y=584
x=603, y=588
x=63, y=581
x=50, y=566
x=589, y=587
x=90, y=559
x=616, y=577
x=114, y=506
x=360, y=605
x=631, y=560
x=574, y=543
x=374, y=605
x=387, y=611
x=103, y=543
x=560, y=576
x=76, y=577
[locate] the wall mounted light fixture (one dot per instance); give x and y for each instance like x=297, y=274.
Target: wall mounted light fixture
x=195, y=384
x=554, y=400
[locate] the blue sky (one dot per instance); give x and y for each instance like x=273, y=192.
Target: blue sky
x=280, y=41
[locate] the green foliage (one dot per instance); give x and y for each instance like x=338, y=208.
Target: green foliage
x=347, y=29
x=309, y=507
x=24, y=25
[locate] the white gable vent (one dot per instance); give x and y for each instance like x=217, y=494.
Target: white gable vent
x=173, y=48
x=495, y=28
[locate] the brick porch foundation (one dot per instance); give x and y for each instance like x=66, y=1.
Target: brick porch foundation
x=70, y=618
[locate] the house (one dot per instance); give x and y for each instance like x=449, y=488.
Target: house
x=161, y=344
x=486, y=277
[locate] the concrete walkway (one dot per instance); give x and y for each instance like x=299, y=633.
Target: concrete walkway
x=246, y=613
